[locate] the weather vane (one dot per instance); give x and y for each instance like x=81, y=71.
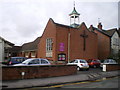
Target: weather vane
x=74, y=3
x=99, y=20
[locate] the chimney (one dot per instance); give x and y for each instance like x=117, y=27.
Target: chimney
x=100, y=26
x=91, y=28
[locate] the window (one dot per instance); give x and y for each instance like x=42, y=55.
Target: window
x=27, y=54
x=82, y=61
x=49, y=47
x=49, y=44
x=33, y=54
x=76, y=61
x=36, y=61
x=72, y=61
x=44, y=61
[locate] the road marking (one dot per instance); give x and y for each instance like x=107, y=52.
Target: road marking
x=61, y=85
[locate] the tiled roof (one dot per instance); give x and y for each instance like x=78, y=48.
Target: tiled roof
x=101, y=31
x=110, y=32
x=31, y=46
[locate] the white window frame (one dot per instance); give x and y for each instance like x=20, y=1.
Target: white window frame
x=49, y=47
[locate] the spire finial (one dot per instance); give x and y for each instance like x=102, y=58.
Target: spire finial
x=74, y=3
x=99, y=20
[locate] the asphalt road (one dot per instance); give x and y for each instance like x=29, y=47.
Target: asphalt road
x=102, y=83
x=68, y=85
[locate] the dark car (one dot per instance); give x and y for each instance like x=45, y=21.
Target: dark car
x=16, y=60
x=94, y=63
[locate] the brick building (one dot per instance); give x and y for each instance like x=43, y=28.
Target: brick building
x=108, y=42
x=29, y=50
x=103, y=42
x=61, y=43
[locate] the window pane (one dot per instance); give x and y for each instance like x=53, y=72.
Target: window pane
x=48, y=44
x=44, y=62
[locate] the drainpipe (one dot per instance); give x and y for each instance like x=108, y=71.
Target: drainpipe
x=68, y=46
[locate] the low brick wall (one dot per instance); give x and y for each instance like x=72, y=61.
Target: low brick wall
x=15, y=72
x=112, y=67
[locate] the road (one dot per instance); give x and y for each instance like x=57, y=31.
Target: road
x=101, y=83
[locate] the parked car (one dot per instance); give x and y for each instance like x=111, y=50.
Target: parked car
x=81, y=64
x=15, y=60
x=95, y=63
x=108, y=61
x=34, y=61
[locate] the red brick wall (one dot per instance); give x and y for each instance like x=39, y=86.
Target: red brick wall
x=62, y=37
x=103, y=45
x=112, y=67
x=13, y=73
x=77, y=44
x=59, y=33
x=49, y=32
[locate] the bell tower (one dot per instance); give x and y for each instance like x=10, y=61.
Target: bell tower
x=74, y=18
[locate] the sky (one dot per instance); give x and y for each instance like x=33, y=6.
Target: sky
x=22, y=21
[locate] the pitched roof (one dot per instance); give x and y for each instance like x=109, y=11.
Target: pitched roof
x=74, y=12
x=7, y=41
x=119, y=32
x=67, y=26
x=110, y=32
x=15, y=49
x=31, y=46
x=101, y=31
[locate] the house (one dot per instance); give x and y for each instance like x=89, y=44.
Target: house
x=62, y=43
x=115, y=42
x=103, y=41
x=29, y=50
x=108, y=42
x=4, y=49
x=14, y=51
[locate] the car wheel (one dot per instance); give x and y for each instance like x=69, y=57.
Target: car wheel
x=78, y=68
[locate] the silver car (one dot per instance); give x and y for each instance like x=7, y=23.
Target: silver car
x=81, y=64
x=35, y=61
x=108, y=61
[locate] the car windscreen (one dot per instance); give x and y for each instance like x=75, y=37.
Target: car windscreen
x=96, y=61
x=72, y=61
x=26, y=61
x=83, y=61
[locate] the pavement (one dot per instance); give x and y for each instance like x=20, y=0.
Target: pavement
x=26, y=83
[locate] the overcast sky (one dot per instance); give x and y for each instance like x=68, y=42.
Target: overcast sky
x=22, y=21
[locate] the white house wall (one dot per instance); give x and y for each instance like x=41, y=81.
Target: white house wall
x=115, y=44
x=1, y=50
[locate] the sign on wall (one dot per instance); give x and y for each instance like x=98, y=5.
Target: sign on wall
x=61, y=47
x=61, y=57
